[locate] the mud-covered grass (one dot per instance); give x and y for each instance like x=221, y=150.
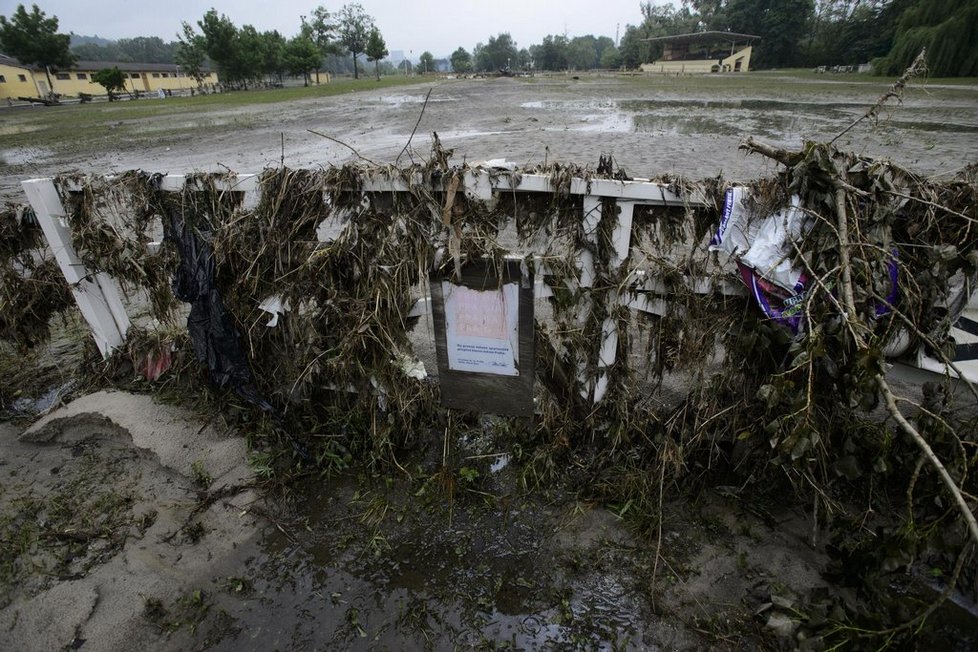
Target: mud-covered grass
x=59, y=535
x=131, y=124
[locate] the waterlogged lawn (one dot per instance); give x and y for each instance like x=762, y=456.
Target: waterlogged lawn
x=74, y=126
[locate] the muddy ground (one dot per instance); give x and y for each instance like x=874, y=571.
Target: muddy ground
x=109, y=547
x=652, y=126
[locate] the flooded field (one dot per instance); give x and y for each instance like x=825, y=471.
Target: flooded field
x=482, y=558
x=651, y=125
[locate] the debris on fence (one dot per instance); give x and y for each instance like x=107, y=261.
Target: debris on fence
x=305, y=287
x=32, y=287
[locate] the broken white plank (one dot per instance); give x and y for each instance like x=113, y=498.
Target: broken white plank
x=98, y=295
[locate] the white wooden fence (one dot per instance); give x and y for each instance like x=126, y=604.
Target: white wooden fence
x=100, y=300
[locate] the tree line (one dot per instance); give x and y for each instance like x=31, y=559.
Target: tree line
x=809, y=33
x=141, y=49
x=241, y=55
x=791, y=33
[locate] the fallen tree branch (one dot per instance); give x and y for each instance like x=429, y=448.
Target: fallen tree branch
x=782, y=156
x=935, y=462
x=845, y=263
x=918, y=67
x=948, y=362
x=413, y=131
x=340, y=142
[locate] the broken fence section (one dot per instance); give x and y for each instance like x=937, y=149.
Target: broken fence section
x=634, y=245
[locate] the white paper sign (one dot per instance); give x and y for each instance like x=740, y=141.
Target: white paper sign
x=482, y=329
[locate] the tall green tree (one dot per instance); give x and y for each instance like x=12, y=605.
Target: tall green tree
x=191, y=54
x=273, y=55
x=582, y=53
x=461, y=61
x=324, y=32
x=33, y=39
x=220, y=43
x=354, y=29
x=551, y=53
x=426, y=62
x=633, y=49
x=949, y=31
x=781, y=24
x=111, y=79
x=301, y=56
x=498, y=53
x=376, y=49
x=610, y=58
x=248, y=48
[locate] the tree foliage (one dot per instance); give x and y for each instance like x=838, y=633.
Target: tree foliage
x=244, y=55
x=949, y=31
x=220, y=43
x=141, y=49
x=354, y=30
x=191, y=53
x=551, y=53
x=461, y=61
x=498, y=53
x=781, y=24
x=323, y=31
x=301, y=55
x=426, y=62
x=376, y=49
x=633, y=50
x=33, y=39
x=111, y=79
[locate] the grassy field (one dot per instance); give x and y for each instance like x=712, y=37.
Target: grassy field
x=88, y=124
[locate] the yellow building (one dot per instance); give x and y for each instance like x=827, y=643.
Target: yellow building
x=702, y=53
x=18, y=80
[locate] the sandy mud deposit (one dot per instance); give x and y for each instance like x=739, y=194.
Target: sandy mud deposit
x=128, y=523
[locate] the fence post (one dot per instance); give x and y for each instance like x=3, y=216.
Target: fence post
x=98, y=295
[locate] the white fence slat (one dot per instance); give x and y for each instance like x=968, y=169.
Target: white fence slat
x=98, y=295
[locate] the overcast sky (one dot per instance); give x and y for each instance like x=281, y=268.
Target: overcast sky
x=440, y=26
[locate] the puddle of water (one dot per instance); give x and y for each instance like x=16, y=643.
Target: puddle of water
x=39, y=405
x=446, y=135
x=746, y=104
x=23, y=155
x=379, y=568
x=686, y=126
x=605, y=123
x=399, y=100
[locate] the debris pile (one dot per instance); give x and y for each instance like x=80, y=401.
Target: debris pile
x=301, y=304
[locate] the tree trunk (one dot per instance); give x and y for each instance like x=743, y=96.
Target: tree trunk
x=356, y=74
x=377, y=68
